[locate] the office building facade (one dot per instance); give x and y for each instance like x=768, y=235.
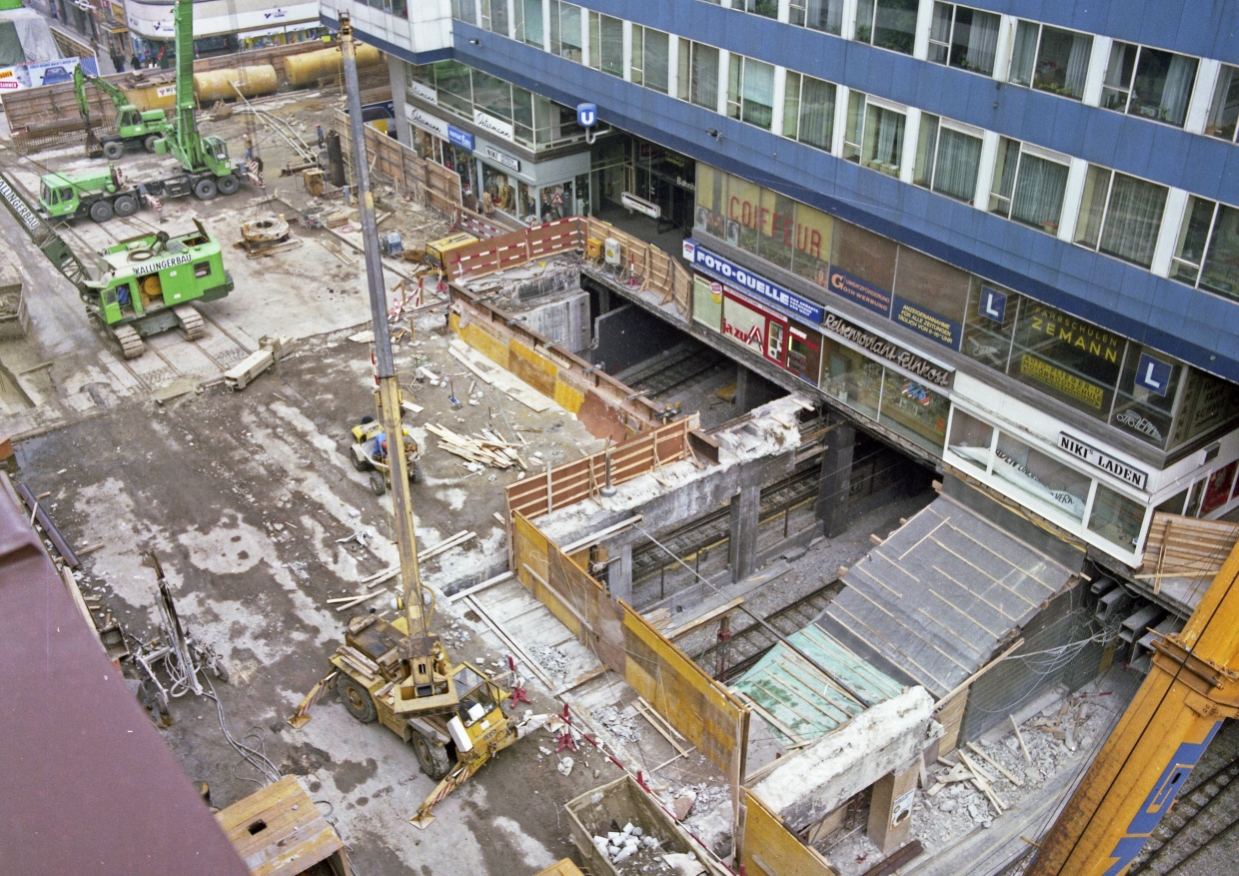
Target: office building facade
x=1004, y=237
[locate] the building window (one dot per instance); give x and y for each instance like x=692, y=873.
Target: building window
x=971, y=438
x=947, y=159
x=1040, y=477
x=566, y=41
x=1067, y=358
x=465, y=10
x=1207, y=403
x=650, y=57
x=750, y=91
x=606, y=44
x=766, y=8
x=1207, y=255
x=1120, y=215
x=698, y=79
x=887, y=24
x=454, y=88
x=1217, y=489
x=964, y=38
x=1028, y=188
x=852, y=378
x=1224, y=111
x=1116, y=518
x=809, y=110
x=875, y=135
x=528, y=18
x=495, y=16
x=989, y=324
x=1144, y=406
x=823, y=15
x=1050, y=59
x=1148, y=82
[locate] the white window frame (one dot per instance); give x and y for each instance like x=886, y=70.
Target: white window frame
x=1105, y=214
x=1030, y=84
x=972, y=131
x=737, y=106
x=1036, y=152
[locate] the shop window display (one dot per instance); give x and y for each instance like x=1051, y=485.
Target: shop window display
x=852, y=378
x=1116, y=518
x=914, y=410
x=971, y=438
x=1041, y=477
x=1217, y=489
x=498, y=193
x=1068, y=358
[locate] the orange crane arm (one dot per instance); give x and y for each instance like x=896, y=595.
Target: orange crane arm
x=1192, y=687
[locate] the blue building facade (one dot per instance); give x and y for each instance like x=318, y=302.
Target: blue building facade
x=1039, y=201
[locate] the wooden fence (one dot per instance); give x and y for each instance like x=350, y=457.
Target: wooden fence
x=644, y=267
x=581, y=479
x=767, y=848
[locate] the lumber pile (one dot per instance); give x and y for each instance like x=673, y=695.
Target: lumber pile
x=1186, y=547
x=486, y=448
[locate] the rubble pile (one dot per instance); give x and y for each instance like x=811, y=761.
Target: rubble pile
x=632, y=851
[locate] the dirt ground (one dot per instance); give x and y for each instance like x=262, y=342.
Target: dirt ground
x=253, y=507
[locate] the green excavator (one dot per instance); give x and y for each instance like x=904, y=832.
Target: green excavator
x=132, y=124
x=139, y=286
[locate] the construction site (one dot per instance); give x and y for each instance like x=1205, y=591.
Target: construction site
x=630, y=601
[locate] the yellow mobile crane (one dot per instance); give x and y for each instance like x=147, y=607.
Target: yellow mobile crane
x=397, y=672
x=1192, y=688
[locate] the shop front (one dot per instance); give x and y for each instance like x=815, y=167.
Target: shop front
x=1070, y=476
x=497, y=176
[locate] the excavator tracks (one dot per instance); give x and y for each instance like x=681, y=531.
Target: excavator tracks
x=131, y=344
x=191, y=321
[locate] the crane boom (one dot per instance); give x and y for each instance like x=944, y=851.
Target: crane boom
x=423, y=649
x=41, y=233
x=1192, y=687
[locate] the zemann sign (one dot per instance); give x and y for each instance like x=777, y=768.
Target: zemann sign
x=802, y=308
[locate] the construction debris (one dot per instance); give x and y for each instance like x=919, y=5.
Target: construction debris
x=486, y=449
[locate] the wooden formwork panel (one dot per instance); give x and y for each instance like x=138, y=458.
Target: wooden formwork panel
x=768, y=848
x=697, y=706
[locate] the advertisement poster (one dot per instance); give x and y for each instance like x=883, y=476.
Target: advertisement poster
x=36, y=74
x=762, y=331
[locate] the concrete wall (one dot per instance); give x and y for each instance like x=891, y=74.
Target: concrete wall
x=629, y=335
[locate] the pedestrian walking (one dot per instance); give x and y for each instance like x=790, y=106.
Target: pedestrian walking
x=118, y=62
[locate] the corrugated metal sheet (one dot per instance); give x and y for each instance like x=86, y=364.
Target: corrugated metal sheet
x=932, y=603
x=801, y=698
x=89, y=786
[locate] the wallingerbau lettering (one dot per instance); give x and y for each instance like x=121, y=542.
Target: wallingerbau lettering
x=1109, y=464
x=905, y=359
x=170, y=262
x=28, y=217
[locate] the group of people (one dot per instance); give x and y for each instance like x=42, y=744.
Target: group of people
x=137, y=61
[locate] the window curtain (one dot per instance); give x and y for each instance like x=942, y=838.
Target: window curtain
x=1038, y=198
x=705, y=76
x=1077, y=64
x=1024, y=53
x=826, y=15
x=612, y=39
x=1133, y=219
x=570, y=32
x=533, y=22
x=1220, y=272
x=817, y=113
x=758, y=93
x=982, y=41
x=1178, y=89
x=656, y=58
x=499, y=17
x=466, y=11
x=1224, y=110
x=888, y=136
x=958, y=158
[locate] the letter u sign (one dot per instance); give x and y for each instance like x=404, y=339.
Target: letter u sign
x=586, y=114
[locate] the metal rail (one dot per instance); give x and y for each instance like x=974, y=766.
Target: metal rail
x=1190, y=823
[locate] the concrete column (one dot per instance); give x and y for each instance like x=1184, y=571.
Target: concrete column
x=745, y=387
x=742, y=541
x=890, y=809
x=835, y=485
x=396, y=72
x=619, y=574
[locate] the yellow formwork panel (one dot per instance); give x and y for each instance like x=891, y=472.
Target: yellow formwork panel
x=568, y=398
x=770, y=849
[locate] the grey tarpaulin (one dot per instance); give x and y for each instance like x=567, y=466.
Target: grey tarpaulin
x=938, y=599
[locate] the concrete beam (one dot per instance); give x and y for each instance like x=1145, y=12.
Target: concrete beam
x=890, y=809
x=887, y=738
